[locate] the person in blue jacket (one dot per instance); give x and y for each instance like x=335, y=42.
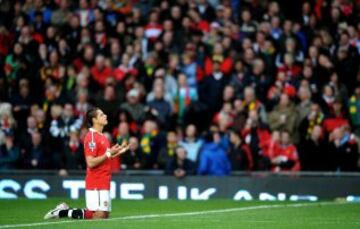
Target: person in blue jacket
x=213, y=156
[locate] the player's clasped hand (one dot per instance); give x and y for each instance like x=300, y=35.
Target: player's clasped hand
x=117, y=149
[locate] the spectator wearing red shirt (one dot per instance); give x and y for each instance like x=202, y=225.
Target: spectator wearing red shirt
x=153, y=29
x=285, y=158
x=289, y=67
x=337, y=118
x=124, y=68
x=100, y=72
x=256, y=135
x=87, y=57
x=225, y=62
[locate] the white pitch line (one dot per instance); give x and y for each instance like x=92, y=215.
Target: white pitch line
x=166, y=215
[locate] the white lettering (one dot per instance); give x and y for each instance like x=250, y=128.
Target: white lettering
x=127, y=188
x=182, y=193
x=243, y=195
x=30, y=193
x=9, y=184
x=163, y=193
x=353, y=198
x=74, y=186
x=281, y=196
x=264, y=196
x=303, y=198
x=196, y=195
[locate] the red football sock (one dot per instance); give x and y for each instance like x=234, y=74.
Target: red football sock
x=88, y=214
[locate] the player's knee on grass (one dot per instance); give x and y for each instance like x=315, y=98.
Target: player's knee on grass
x=100, y=215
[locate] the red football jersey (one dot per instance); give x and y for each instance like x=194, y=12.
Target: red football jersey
x=96, y=144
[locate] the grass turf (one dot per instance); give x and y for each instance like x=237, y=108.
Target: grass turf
x=25, y=211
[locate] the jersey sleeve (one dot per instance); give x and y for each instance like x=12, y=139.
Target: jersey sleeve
x=90, y=146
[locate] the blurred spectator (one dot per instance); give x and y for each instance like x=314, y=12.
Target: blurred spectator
x=40, y=117
x=159, y=106
x=225, y=117
x=251, y=103
x=7, y=121
x=179, y=165
x=238, y=77
x=211, y=89
x=303, y=109
x=190, y=69
x=100, y=72
x=327, y=99
x=256, y=134
x=240, y=154
x=337, y=117
x=61, y=16
x=73, y=158
x=213, y=159
x=25, y=141
x=151, y=143
x=183, y=97
x=65, y=123
x=82, y=104
x=159, y=85
x=54, y=72
x=35, y=157
x=109, y=103
x=132, y=158
x=121, y=133
x=191, y=143
x=285, y=158
x=57, y=136
x=284, y=116
x=22, y=103
x=9, y=153
x=343, y=149
x=315, y=117
x=313, y=152
x=167, y=152
x=258, y=79
x=133, y=106
x=153, y=29
x=270, y=148
x=14, y=64
x=247, y=27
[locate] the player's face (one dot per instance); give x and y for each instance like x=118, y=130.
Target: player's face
x=101, y=118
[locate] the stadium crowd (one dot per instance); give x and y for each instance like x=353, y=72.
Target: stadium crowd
x=196, y=86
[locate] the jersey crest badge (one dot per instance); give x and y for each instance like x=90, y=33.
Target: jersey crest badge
x=92, y=145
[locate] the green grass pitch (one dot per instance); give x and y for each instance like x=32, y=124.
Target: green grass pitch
x=173, y=214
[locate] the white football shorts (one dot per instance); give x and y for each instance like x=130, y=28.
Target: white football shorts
x=98, y=200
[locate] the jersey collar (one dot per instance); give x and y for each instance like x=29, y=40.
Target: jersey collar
x=95, y=131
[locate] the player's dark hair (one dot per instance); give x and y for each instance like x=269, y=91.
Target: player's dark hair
x=90, y=114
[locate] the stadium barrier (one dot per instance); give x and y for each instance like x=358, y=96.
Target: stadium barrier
x=137, y=185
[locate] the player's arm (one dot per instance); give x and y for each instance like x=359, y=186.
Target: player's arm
x=93, y=161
